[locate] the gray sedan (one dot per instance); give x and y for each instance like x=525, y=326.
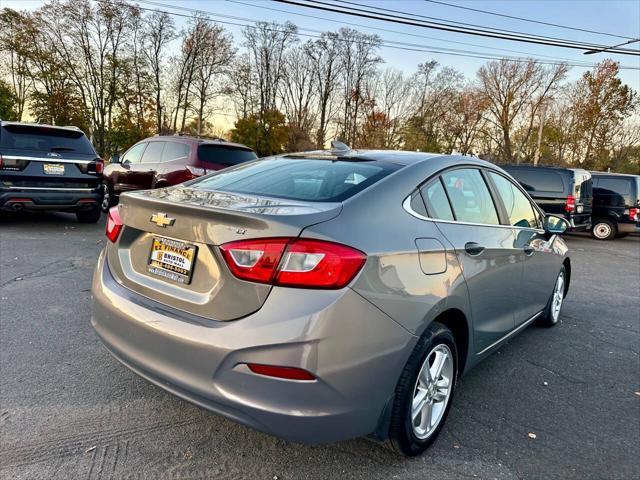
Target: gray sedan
x=327, y=295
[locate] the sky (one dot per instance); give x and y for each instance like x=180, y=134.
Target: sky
x=620, y=17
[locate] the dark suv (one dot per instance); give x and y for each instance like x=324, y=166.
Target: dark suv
x=616, y=205
x=162, y=161
x=43, y=167
x=566, y=192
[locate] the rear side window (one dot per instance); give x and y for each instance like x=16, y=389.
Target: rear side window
x=314, y=180
x=223, y=155
x=437, y=200
x=539, y=180
x=175, y=151
x=614, y=186
x=45, y=139
x=516, y=204
x=470, y=197
x=153, y=153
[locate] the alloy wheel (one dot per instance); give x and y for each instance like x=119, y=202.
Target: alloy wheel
x=558, y=297
x=432, y=391
x=106, y=199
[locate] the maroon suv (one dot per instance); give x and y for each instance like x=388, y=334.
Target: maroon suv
x=162, y=161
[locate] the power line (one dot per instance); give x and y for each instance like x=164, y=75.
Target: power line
x=397, y=32
x=385, y=43
x=539, y=22
x=318, y=5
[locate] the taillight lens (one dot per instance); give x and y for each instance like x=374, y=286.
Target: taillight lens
x=114, y=224
x=300, y=263
x=633, y=214
x=289, y=373
x=98, y=166
x=196, y=171
x=570, y=204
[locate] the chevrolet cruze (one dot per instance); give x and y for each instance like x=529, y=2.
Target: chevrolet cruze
x=327, y=295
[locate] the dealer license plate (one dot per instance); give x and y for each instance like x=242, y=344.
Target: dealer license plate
x=54, y=169
x=172, y=259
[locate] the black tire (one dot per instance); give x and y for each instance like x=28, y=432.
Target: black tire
x=402, y=437
x=603, y=229
x=548, y=319
x=108, y=200
x=89, y=216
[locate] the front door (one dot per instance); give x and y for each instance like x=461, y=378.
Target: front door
x=461, y=204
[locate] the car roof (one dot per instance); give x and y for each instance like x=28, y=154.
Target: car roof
x=612, y=174
x=545, y=167
x=399, y=157
x=220, y=142
x=43, y=125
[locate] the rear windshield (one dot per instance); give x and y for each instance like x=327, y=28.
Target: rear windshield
x=612, y=186
x=45, y=139
x=313, y=180
x=224, y=155
x=539, y=181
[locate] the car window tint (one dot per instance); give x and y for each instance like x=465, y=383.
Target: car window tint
x=153, y=153
x=538, y=180
x=437, y=200
x=516, y=204
x=224, y=155
x=417, y=204
x=175, y=151
x=620, y=186
x=470, y=197
x=134, y=154
x=47, y=139
x=298, y=179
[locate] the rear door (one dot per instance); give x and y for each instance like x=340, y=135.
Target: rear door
x=462, y=207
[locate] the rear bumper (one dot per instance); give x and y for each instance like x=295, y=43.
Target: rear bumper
x=49, y=199
x=628, y=227
x=355, y=351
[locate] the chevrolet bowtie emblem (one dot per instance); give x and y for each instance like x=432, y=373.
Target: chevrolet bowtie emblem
x=162, y=220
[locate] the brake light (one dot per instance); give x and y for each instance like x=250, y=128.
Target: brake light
x=297, y=262
x=99, y=166
x=114, y=224
x=633, y=214
x=0, y=161
x=290, y=373
x=570, y=204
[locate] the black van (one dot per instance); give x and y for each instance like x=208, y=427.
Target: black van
x=561, y=191
x=616, y=205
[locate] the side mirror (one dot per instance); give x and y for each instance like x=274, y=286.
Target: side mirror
x=555, y=225
x=115, y=158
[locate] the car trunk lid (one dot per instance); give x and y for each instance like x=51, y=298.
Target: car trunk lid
x=185, y=218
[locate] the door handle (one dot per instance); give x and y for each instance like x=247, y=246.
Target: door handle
x=473, y=248
x=528, y=250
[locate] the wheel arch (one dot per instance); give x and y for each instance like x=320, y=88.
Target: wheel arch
x=456, y=321
x=567, y=268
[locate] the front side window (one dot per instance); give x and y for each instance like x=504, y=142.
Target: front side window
x=153, y=153
x=437, y=200
x=470, y=197
x=516, y=204
x=134, y=154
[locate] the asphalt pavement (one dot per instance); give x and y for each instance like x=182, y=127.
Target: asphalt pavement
x=552, y=403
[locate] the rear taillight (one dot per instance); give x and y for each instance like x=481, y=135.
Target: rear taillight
x=300, y=263
x=570, y=204
x=0, y=161
x=633, y=214
x=99, y=166
x=114, y=224
x=196, y=171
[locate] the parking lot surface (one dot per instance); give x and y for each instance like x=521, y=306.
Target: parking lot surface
x=70, y=410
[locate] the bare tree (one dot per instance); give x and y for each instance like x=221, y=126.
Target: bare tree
x=158, y=33
x=13, y=39
x=324, y=56
x=241, y=87
x=299, y=95
x=516, y=91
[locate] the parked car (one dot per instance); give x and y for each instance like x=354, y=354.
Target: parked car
x=566, y=192
x=163, y=161
x=324, y=296
x=45, y=167
x=616, y=205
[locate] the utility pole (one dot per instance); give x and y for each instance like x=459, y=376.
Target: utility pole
x=543, y=111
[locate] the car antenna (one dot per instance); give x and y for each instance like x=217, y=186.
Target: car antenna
x=338, y=147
